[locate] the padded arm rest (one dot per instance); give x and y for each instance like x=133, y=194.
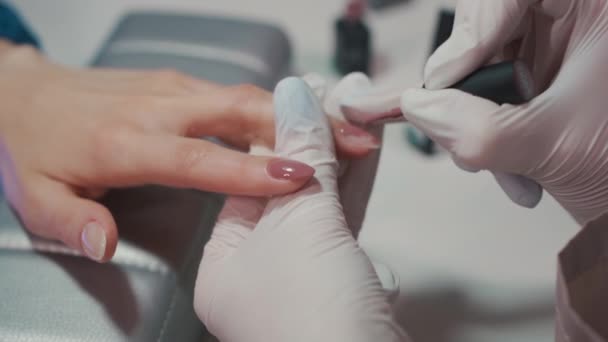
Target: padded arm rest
x=227, y=51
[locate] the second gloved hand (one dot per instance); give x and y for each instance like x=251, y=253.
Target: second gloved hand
x=559, y=139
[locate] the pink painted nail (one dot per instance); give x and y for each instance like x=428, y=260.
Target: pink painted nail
x=285, y=169
x=93, y=240
x=356, y=136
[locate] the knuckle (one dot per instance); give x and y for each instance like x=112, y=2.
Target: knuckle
x=111, y=143
x=189, y=157
x=171, y=78
x=37, y=219
x=31, y=213
x=39, y=213
x=246, y=89
x=479, y=143
x=169, y=75
x=246, y=98
x=246, y=93
x=136, y=105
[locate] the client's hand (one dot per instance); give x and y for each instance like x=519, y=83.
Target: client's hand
x=288, y=268
x=68, y=135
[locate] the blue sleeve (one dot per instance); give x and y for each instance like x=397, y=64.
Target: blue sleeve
x=13, y=28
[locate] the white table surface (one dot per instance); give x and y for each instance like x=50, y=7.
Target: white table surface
x=473, y=266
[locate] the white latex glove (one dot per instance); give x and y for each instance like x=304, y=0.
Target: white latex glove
x=559, y=139
x=356, y=176
x=288, y=268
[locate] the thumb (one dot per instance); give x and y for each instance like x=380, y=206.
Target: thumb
x=303, y=134
x=481, y=29
x=236, y=221
x=54, y=211
x=479, y=137
x=302, y=128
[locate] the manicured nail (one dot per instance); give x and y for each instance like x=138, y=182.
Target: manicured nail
x=356, y=136
x=285, y=169
x=93, y=240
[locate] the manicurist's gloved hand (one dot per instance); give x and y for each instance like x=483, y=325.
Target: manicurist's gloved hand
x=560, y=138
x=356, y=176
x=289, y=268
x=67, y=135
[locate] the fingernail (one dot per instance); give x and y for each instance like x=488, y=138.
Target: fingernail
x=93, y=240
x=285, y=169
x=356, y=136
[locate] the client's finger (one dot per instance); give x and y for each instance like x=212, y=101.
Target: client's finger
x=194, y=163
x=243, y=115
x=52, y=210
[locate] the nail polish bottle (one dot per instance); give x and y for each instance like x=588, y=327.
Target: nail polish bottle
x=353, y=40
